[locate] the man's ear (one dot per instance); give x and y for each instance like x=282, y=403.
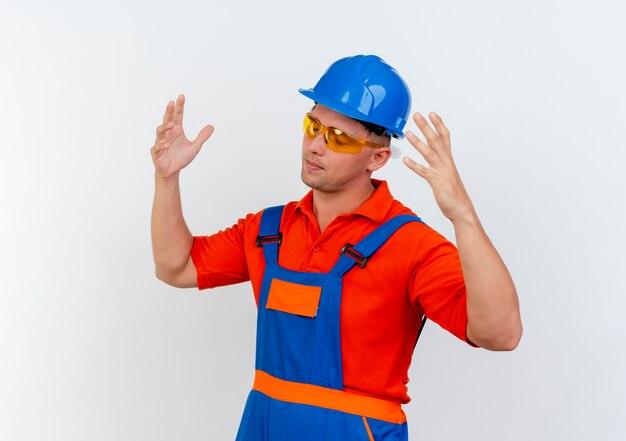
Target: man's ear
x=379, y=158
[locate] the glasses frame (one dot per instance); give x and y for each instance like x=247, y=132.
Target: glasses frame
x=356, y=144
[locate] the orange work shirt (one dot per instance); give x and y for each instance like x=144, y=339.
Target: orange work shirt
x=417, y=271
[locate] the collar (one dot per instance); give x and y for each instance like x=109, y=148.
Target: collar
x=375, y=207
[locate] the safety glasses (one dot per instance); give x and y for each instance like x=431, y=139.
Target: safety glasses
x=336, y=140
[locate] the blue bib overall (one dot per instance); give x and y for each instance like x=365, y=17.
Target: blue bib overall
x=298, y=390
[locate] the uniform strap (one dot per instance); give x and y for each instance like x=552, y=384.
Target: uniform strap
x=269, y=237
x=360, y=253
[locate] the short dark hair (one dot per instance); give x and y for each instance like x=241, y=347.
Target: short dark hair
x=373, y=128
x=370, y=127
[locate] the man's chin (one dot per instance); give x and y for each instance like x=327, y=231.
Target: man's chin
x=309, y=182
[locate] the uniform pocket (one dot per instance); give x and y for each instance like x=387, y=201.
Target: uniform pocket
x=294, y=298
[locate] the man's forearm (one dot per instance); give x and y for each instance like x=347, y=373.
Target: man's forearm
x=171, y=239
x=492, y=305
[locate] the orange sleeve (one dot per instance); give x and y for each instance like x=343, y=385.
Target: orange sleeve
x=220, y=259
x=438, y=286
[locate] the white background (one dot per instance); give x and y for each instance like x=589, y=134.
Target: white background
x=93, y=347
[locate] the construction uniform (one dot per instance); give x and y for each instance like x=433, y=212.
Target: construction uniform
x=337, y=323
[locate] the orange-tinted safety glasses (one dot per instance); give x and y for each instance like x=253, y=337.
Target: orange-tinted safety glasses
x=336, y=140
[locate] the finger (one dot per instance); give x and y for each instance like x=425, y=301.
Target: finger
x=180, y=108
x=425, y=128
x=162, y=129
x=424, y=149
x=169, y=111
x=204, y=134
x=424, y=172
x=442, y=130
x=159, y=147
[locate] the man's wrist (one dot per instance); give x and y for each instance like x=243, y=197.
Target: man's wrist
x=167, y=180
x=466, y=219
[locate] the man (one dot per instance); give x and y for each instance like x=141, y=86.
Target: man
x=343, y=277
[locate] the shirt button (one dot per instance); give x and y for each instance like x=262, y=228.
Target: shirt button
x=316, y=248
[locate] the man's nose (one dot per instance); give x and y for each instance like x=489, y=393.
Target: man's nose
x=318, y=144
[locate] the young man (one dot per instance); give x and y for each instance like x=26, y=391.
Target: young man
x=343, y=277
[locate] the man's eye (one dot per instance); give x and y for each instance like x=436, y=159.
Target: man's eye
x=342, y=138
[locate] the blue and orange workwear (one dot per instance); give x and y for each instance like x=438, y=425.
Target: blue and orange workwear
x=298, y=389
x=350, y=373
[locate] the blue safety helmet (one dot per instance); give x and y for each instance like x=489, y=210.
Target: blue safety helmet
x=366, y=88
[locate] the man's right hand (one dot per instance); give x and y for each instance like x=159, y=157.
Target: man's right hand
x=172, y=151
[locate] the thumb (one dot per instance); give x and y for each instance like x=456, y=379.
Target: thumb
x=204, y=134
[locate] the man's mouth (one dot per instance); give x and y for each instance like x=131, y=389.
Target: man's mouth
x=313, y=165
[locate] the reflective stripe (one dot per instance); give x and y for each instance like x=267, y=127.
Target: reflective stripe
x=313, y=395
x=369, y=431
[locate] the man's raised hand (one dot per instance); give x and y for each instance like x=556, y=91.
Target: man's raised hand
x=441, y=173
x=172, y=151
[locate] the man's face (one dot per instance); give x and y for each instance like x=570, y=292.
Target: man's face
x=329, y=171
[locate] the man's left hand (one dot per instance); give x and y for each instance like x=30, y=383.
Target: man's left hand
x=441, y=172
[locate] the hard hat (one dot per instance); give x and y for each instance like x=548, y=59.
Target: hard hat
x=366, y=88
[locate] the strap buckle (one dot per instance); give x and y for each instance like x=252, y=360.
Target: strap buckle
x=348, y=250
x=260, y=240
